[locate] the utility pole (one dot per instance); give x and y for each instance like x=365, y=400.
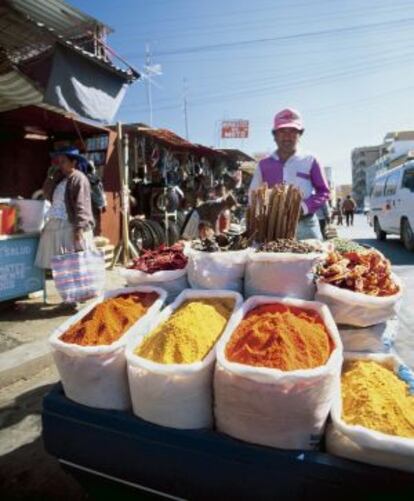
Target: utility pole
x=185, y=107
x=149, y=90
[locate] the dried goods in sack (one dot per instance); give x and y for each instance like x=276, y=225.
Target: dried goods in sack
x=109, y=320
x=280, y=337
x=273, y=213
x=268, y=406
x=217, y=270
x=373, y=415
x=359, y=287
x=283, y=268
x=189, y=333
x=377, y=338
x=89, y=348
x=172, y=385
x=165, y=267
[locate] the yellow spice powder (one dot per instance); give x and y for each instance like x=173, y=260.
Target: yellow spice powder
x=189, y=333
x=373, y=396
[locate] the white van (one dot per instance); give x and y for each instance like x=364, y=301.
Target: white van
x=392, y=204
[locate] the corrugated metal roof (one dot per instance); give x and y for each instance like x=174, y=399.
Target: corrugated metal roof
x=236, y=154
x=23, y=37
x=174, y=141
x=58, y=15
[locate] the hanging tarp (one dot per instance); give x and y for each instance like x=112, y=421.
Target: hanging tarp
x=81, y=85
x=17, y=91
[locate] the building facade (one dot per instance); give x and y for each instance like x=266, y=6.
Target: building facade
x=362, y=158
x=397, y=148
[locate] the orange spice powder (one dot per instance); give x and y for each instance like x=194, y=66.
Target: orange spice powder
x=280, y=337
x=109, y=320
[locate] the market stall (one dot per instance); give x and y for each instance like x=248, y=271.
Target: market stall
x=272, y=375
x=168, y=175
x=28, y=135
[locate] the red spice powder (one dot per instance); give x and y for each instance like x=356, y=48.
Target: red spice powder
x=280, y=337
x=109, y=320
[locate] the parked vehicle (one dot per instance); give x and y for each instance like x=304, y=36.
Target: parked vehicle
x=392, y=204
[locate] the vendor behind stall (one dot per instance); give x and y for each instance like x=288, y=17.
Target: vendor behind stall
x=207, y=212
x=69, y=220
x=287, y=165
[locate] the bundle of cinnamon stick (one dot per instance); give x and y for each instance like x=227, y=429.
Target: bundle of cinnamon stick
x=273, y=213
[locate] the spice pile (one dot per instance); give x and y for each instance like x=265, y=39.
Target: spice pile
x=161, y=259
x=342, y=245
x=289, y=245
x=189, y=333
x=374, y=397
x=109, y=320
x=280, y=337
x=221, y=243
x=274, y=213
x=367, y=271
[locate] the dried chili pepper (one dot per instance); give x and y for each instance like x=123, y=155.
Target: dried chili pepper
x=161, y=259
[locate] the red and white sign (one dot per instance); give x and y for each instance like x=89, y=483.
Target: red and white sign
x=235, y=129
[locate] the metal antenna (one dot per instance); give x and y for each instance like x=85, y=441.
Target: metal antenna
x=185, y=107
x=150, y=70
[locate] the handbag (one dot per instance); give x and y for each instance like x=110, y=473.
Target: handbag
x=79, y=276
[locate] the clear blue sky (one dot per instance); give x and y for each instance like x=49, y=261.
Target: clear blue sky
x=346, y=65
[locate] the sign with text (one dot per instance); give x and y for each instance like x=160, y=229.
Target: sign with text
x=235, y=129
x=18, y=275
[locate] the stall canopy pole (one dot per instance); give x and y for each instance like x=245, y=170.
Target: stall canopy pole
x=125, y=247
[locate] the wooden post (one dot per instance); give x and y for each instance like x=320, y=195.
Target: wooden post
x=125, y=247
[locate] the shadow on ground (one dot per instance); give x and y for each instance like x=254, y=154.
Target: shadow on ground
x=28, y=310
x=29, y=472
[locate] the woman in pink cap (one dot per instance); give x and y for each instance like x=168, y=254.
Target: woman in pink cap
x=288, y=165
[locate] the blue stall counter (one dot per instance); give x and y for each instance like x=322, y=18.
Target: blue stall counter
x=18, y=274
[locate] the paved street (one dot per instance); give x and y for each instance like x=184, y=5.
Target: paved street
x=24, y=465
x=403, y=265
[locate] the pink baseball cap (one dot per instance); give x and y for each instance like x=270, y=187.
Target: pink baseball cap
x=288, y=118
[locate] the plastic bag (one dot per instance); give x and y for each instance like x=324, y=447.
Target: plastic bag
x=174, y=395
x=283, y=274
x=79, y=276
x=172, y=281
x=355, y=308
x=378, y=338
x=96, y=375
x=271, y=407
x=371, y=446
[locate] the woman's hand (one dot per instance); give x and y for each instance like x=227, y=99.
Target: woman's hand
x=79, y=240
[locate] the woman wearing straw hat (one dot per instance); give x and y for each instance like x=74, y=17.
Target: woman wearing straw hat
x=69, y=221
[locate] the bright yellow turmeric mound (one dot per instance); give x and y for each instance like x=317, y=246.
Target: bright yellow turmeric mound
x=189, y=333
x=375, y=397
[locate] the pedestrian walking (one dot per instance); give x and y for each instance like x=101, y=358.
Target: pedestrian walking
x=338, y=212
x=288, y=165
x=348, y=208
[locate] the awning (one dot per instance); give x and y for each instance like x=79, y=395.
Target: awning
x=17, y=91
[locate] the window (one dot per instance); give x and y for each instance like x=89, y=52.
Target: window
x=378, y=190
x=408, y=179
x=391, y=184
